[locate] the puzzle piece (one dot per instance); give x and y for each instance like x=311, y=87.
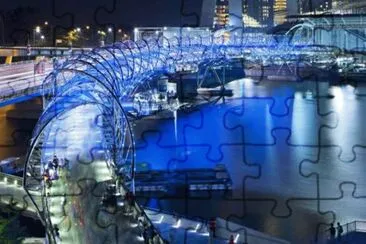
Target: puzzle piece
x=295, y=162
x=265, y=186
x=316, y=220
x=340, y=205
x=259, y=115
x=345, y=134
x=325, y=170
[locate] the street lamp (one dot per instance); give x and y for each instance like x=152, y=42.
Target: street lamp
x=102, y=35
x=36, y=30
x=78, y=29
x=46, y=23
x=109, y=37
x=136, y=32
x=42, y=40
x=87, y=27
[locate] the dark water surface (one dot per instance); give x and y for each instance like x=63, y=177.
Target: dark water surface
x=294, y=162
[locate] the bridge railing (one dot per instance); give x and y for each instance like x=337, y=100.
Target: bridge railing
x=31, y=86
x=354, y=226
x=140, y=211
x=11, y=179
x=14, y=195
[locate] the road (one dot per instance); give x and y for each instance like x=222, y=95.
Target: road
x=20, y=79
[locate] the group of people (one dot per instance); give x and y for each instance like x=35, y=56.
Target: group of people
x=130, y=199
x=332, y=231
x=148, y=232
x=51, y=170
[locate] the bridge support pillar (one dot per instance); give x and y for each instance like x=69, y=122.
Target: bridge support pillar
x=180, y=88
x=44, y=102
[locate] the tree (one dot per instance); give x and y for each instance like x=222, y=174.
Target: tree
x=102, y=36
x=72, y=37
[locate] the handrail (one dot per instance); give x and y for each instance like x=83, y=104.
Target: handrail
x=204, y=221
x=146, y=218
x=11, y=179
x=350, y=227
x=139, y=211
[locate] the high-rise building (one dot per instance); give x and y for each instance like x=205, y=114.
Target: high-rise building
x=258, y=13
x=243, y=13
x=336, y=4
x=280, y=11
x=208, y=13
x=221, y=19
x=304, y=6
x=348, y=6
x=314, y=6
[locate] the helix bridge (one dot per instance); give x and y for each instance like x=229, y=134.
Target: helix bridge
x=85, y=124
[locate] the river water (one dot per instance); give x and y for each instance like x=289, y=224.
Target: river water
x=296, y=162
x=294, y=157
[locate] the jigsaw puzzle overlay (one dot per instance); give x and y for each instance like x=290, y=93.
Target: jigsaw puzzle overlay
x=296, y=162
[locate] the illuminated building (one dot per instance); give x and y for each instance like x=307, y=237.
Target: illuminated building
x=348, y=7
x=221, y=19
x=316, y=7
x=280, y=11
x=258, y=13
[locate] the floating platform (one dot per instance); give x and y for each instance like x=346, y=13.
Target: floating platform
x=217, y=91
x=193, y=179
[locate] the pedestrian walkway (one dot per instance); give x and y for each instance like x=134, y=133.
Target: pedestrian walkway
x=74, y=209
x=178, y=229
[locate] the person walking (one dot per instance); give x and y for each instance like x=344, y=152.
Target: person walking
x=339, y=231
x=231, y=241
x=63, y=203
x=145, y=232
x=55, y=162
x=57, y=233
x=213, y=227
x=130, y=200
x=332, y=231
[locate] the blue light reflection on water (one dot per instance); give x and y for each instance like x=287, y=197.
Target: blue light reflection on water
x=277, y=143
x=200, y=134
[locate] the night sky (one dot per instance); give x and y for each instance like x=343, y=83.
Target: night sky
x=100, y=12
x=126, y=12
x=20, y=16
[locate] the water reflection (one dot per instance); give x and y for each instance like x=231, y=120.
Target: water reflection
x=277, y=147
